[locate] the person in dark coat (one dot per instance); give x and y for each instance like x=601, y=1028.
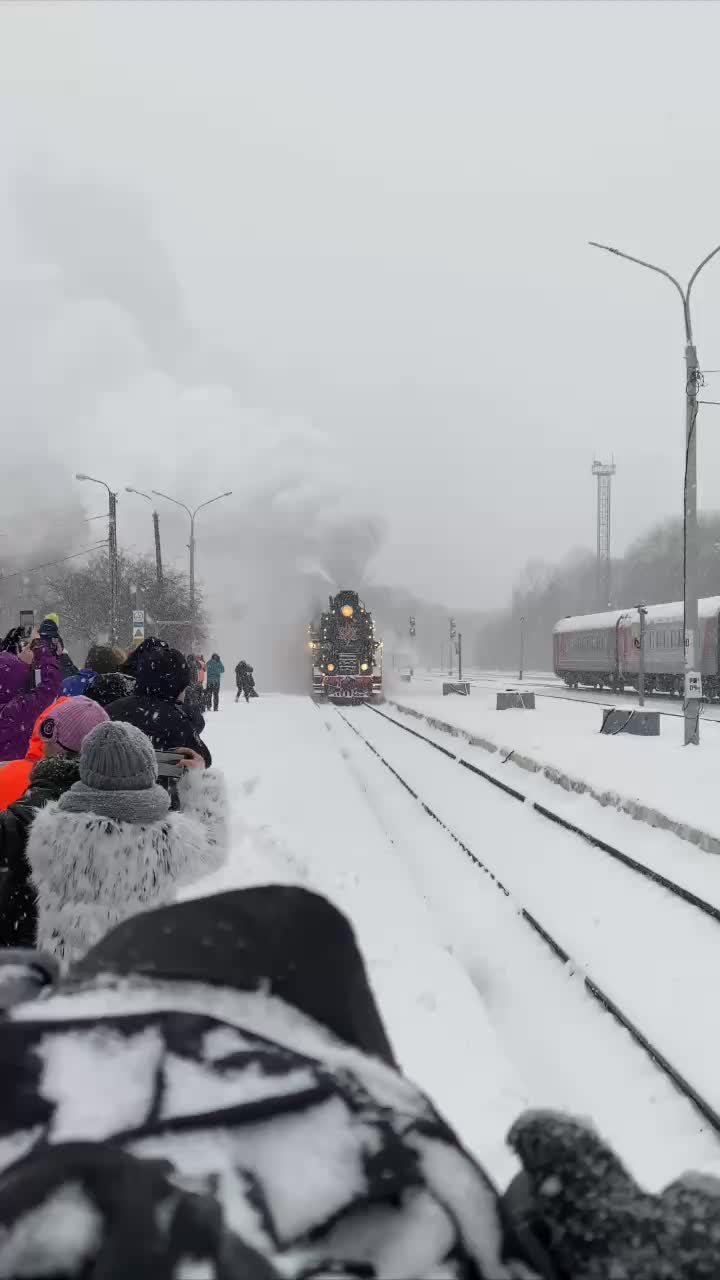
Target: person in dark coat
x=62, y=733
x=67, y=666
x=213, y=1085
x=245, y=681
x=156, y=706
x=235, y=1122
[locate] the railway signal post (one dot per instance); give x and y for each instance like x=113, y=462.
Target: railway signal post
x=641, y=656
x=693, y=378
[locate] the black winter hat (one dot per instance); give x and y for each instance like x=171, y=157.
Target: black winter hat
x=163, y=673
x=110, y=687
x=130, y=665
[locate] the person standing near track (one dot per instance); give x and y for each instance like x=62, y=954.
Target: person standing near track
x=245, y=681
x=215, y=673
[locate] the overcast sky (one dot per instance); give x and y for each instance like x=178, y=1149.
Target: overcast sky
x=334, y=255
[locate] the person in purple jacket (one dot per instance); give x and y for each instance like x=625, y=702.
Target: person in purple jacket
x=29, y=682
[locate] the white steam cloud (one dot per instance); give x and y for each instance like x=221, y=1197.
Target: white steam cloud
x=103, y=373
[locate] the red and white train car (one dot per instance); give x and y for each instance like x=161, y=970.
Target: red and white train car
x=602, y=650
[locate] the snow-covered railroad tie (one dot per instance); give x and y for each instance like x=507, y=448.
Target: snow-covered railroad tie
x=629, y=1007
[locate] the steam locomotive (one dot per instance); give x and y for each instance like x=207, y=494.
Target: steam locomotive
x=346, y=657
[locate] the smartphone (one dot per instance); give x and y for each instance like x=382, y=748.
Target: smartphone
x=169, y=764
x=27, y=622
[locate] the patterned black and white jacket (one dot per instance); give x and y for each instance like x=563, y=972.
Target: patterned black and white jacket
x=178, y=1130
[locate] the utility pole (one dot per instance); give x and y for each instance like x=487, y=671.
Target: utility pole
x=114, y=574
x=192, y=578
x=158, y=551
x=693, y=378
x=459, y=654
x=156, y=532
x=453, y=632
x=113, y=567
x=604, y=472
x=522, y=647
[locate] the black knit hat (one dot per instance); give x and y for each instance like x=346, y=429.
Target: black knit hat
x=162, y=673
x=134, y=657
x=110, y=687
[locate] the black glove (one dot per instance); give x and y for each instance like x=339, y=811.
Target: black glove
x=594, y=1220
x=13, y=641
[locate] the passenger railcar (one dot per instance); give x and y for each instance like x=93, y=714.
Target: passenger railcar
x=602, y=650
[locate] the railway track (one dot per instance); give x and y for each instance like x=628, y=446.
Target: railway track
x=639, y=868
x=679, y=1080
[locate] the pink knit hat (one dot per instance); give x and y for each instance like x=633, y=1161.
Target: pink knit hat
x=71, y=722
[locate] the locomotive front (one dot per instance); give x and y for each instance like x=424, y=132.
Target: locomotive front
x=344, y=650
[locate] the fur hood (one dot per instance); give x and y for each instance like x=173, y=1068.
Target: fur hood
x=90, y=872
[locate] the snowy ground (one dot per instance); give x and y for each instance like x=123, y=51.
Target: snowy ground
x=481, y=1015
x=564, y=734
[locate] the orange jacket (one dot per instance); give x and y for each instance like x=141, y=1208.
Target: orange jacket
x=15, y=775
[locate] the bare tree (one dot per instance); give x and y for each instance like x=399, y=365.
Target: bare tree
x=82, y=599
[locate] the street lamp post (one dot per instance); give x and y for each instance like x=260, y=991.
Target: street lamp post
x=693, y=684
x=112, y=553
x=156, y=531
x=191, y=546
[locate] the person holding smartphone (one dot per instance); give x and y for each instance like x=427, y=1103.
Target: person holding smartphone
x=112, y=846
x=29, y=681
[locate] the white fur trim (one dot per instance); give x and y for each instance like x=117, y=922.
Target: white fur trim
x=202, y=795
x=92, y=872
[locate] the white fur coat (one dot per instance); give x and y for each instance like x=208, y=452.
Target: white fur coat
x=91, y=872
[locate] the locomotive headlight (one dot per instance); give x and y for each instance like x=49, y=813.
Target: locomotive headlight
x=347, y=611
x=331, y=666
x=363, y=666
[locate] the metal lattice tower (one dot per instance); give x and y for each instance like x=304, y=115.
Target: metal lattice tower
x=604, y=472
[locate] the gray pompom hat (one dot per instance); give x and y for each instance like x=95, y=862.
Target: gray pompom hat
x=120, y=759
x=118, y=776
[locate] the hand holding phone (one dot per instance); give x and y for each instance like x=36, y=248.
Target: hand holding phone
x=189, y=759
x=168, y=763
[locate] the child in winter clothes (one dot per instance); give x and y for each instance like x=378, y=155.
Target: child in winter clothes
x=111, y=847
x=61, y=732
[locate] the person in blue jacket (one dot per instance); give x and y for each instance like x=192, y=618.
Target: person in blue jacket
x=215, y=673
